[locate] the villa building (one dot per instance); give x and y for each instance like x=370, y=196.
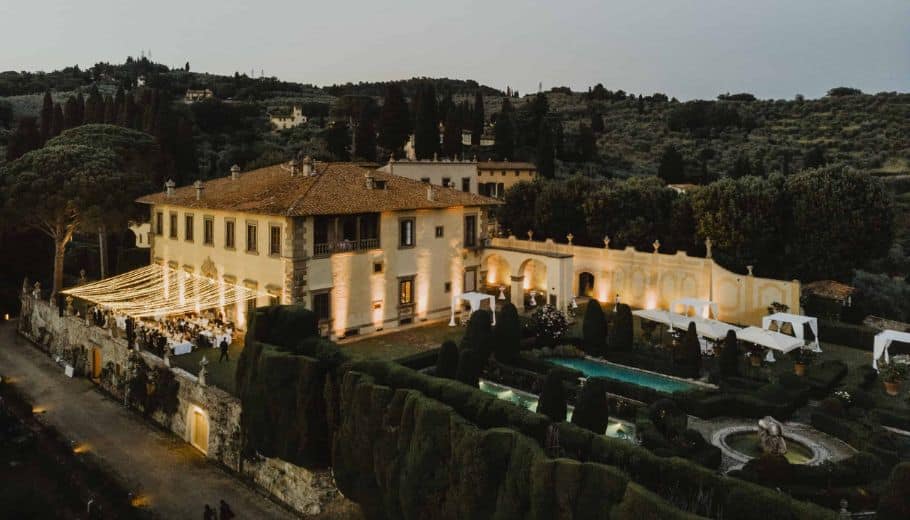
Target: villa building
x=364, y=249
x=284, y=119
x=194, y=95
x=489, y=179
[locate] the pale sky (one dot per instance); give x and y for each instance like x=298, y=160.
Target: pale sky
x=684, y=48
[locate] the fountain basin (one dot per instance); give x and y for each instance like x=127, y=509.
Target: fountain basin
x=741, y=443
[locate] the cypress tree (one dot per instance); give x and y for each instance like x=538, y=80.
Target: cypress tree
x=594, y=329
x=469, y=367
x=689, y=353
x=479, y=334
x=337, y=140
x=620, y=335
x=26, y=138
x=552, y=401
x=451, y=143
x=477, y=119
x=94, y=107
x=505, y=132
x=729, y=356
x=507, y=334
x=592, y=410
x=72, y=116
x=394, y=120
x=119, y=100
x=447, y=361
x=47, y=116
x=110, y=114
x=597, y=122
x=128, y=114
x=80, y=109
x=426, y=124
x=587, y=143
x=672, y=166
x=57, y=122
x=546, y=151
x=366, y=137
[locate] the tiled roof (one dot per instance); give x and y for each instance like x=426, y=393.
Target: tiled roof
x=337, y=188
x=505, y=165
x=829, y=289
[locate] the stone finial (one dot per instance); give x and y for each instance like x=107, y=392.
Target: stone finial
x=36, y=290
x=169, y=187
x=203, y=363
x=570, y=237
x=435, y=157
x=391, y=157
x=69, y=305
x=606, y=242
x=25, y=284
x=530, y=234
x=82, y=278
x=749, y=268
x=474, y=159
x=656, y=246
x=708, y=245
x=235, y=172
x=199, y=187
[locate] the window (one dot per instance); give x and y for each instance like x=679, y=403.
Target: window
x=470, y=230
x=425, y=180
x=517, y=173
x=406, y=232
x=208, y=231
x=274, y=240
x=322, y=305
x=465, y=184
x=172, y=229
x=440, y=231
x=406, y=291
x=229, y=233
x=447, y=287
x=446, y=181
x=377, y=266
x=159, y=223
x=252, y=245
x=188, y=227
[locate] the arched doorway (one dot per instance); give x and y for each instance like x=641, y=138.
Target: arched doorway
x=534, y=273
x=198, y=428
x=497, y=271
x=585, y=284
x=96, y=364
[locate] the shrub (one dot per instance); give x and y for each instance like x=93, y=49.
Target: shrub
x=470, y=365
x=620, y=334
x=592, y=411
x=668, y=418
x=507, y=334
x=594, y=329
x=552, y=402
x=447, y=362
x=549, y=324
x=895, y=500
x=689, y=353
x=479, y=334
x=729, y=356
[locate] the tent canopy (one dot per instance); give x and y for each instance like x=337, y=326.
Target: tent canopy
x=770, y=340
x=706, y=328
x=699, y=307
x=797, y=321
x=883, y=340
x=158, y=291
x=474, y=299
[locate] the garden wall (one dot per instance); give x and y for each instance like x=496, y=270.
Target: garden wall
x=71, y=339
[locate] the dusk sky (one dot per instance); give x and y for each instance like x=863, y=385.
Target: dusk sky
x=685, y=48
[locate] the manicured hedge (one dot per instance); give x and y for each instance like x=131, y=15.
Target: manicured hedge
x=861, y=436
x=840, y=333
x=420, y=360
x=824, y=376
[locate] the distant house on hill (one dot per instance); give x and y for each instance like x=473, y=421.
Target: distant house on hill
x=284, y=119
x=194, y=95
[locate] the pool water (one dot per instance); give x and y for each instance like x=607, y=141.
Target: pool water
x=615, y=428
x=748, y=444
x=625, y=374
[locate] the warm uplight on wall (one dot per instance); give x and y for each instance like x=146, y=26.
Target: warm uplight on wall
x=6, y=317
x=651, y=300
x=80, y=448
x=424, y=272
x=38, y=410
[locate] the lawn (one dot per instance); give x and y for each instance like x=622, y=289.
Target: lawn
x=219, y=373
x=403, y=342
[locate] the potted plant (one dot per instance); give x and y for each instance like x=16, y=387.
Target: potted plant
x=755, y=355
x=892, y=374
x=803, y=357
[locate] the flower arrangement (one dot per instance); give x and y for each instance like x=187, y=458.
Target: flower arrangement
x=844, y=397
x=550, y=324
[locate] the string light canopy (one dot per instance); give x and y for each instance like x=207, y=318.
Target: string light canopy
x=157, y=291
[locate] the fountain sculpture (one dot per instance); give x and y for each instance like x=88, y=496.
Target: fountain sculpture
x=771, y=436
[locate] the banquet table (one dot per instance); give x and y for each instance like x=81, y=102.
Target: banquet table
x=184, y=347
x=216, y=338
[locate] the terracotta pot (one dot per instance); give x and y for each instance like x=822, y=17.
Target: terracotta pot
x=755, y=360
x=799, y=369
x=892, y=387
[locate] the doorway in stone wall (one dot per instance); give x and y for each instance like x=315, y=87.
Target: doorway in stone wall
x=198, y=426
x=96, y=364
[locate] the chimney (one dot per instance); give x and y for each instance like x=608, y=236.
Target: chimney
x=235, y=172
x=308, y=166
x=431, y=195
x=199, y=188
x=369, y=180
x=295, y=167
x=169, y=187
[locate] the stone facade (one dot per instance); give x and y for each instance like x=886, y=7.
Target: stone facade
x=71, y=340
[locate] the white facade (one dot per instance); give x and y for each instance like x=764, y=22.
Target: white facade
x=283, y=122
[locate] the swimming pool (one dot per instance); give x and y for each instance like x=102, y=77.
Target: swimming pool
x=590, y=368
x=615, y=428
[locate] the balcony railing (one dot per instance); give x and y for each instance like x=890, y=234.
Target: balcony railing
x=344, y=246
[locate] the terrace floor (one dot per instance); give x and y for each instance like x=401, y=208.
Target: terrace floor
x=397, y=343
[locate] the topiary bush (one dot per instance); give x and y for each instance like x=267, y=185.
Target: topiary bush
x=894, y=503
x=669, y=418
x=594, y=329
x=550, y=325
x=507, y=334
x=552, y=401
x=592, y=411
x=620, y=336
x=728, y=363
x=447, y=362
x=470, y=365
x=479, y=333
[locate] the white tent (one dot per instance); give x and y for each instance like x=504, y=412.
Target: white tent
x=770, y=340
x=797, y=322
x=699, y=307
x=662, y=317
x=712, y=329
x=474, y=299
x=883, y=340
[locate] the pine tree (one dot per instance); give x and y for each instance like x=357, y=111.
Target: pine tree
x=672, y=166
x=47, y=116
x=394, y=120
x=451, y=142
x=426, y=124
x=26, y=138
x=546, y=150
x=505, y=132
x=477, y=119
x=594, y=329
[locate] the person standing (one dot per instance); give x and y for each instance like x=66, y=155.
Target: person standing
x=224, y=350
x=225, y=512
x=209, y=513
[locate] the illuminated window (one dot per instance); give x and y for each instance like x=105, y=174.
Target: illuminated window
x=406, y=291
x=274, y=240
x=159, y=223
x=252, y=242
x=172, y=229
x=406, y=232
x=229, y=233
x=208, y=231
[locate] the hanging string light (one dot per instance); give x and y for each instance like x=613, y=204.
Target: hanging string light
x=157, y=291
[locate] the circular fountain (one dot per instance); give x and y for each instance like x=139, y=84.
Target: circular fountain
x=744, y=443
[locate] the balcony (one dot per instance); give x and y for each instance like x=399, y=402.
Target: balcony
x=344, y=246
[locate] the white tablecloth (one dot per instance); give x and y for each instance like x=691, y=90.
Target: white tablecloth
x=216, y=338
x=182, y=348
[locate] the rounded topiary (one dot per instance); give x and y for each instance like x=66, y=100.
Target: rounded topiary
x=594, y=329
x=689, y=352
x=447, y=361
x=507, y=334
x=552, y=402
x=770, y=469
x=470, y=364
x=620, y=334
x=729, y=356
x=668, y=418
x=479, y=333
x=592, y=411
x=550, y=324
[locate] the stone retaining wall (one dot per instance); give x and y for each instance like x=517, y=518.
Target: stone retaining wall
x=70, y=340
